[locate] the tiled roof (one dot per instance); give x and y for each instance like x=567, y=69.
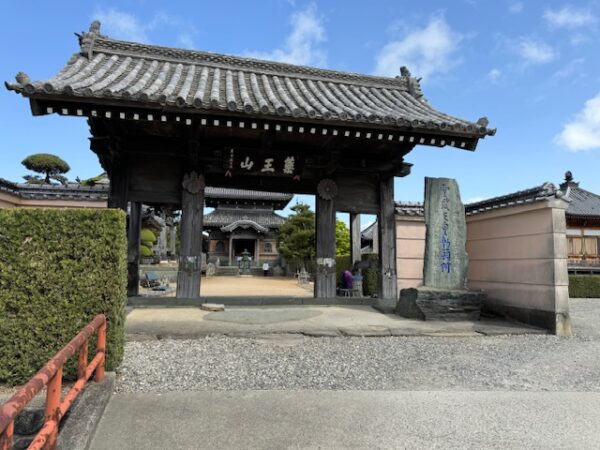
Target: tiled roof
x=100, y=192
x=584, y=204
x=55, y=191
x=534, y=194
x=410, y=209
x=367, y=233
x=245, y=194
x=109, y=69
x=226, y=216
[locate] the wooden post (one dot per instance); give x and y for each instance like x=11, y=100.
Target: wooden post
x=325, y=280
x=133, y=248
x=162, y=237
x=355, y=238
x=256, y=252
x=230, y=249
x=388, y=284
x=190, y=258
x=376, y=236
x=173, y=241
x=117, y=197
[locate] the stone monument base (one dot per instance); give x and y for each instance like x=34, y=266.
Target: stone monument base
x=426, y=303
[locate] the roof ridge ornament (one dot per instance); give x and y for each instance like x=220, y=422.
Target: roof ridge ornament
x=413, y=84
x=86, y=40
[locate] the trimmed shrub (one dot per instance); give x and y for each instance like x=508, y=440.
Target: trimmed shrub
x=145, y=252
x=371, y=275
x=59, y=268
x=584, y=286
x=147, y=235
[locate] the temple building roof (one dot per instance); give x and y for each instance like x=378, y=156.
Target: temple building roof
x=216, y=196
x=71, y=191
x=413, y=209
x=109, y=71
x=535, y=194
x=584, y=204
x=223, y=217
x=75, y=191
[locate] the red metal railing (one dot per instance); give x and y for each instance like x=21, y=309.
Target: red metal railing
x=51, y=375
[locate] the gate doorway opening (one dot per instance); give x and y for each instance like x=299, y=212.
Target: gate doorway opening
x=241, y=246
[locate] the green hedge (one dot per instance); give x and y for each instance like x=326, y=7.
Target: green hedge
x=58, y=269
x=582, y=286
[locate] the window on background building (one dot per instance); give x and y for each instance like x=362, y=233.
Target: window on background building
x=220, y=247
x=591, y=246
x=592, y=242
x=268, y=247
x=575, y=247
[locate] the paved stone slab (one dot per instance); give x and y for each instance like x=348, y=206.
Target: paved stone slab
x=213, y=307
x=318, y=321
x=350, y=420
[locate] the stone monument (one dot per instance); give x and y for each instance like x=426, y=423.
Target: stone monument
x=444, y=294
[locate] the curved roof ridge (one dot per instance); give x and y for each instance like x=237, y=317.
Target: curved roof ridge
x=93, y=42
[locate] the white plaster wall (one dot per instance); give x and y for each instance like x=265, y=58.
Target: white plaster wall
x=410, y=251
x=518, y=256
x=12, y=201
x=7, y=200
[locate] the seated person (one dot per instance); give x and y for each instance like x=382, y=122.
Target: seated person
x=347, y=279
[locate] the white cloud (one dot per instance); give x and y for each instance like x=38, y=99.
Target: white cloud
x=126, y=26
x=424, y=51
x=534, y=52
x=515, y=8
x=494, y=75
x=577, y=39
x=583, y=132
x=574, y=69
x=302, y=44
x=569, y=17
x=121, y=25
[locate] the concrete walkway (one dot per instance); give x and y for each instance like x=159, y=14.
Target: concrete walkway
x=185, y=323
x=350, y=420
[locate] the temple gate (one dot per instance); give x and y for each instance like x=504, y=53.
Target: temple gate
x=167, y=122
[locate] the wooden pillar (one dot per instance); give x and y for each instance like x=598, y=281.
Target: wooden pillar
x=355, y=238
x=117, y=196
x=162, y=237
x=231, y=249
x=133, y=248
x=388, y=283
x=376, y=236
x=256, y=248
x=190, y=258
x=173, y=241
x=325, y=279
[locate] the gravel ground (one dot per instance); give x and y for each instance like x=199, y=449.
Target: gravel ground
x=511, y=363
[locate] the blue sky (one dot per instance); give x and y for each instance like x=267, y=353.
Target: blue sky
x=531, y=67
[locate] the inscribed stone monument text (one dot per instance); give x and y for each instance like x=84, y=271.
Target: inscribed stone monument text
x=446, y=260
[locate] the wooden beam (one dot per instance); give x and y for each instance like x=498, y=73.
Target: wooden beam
x=355, y=238
x=133, y=248
x=190, y=258
x=325, y=280
x=388, y=284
